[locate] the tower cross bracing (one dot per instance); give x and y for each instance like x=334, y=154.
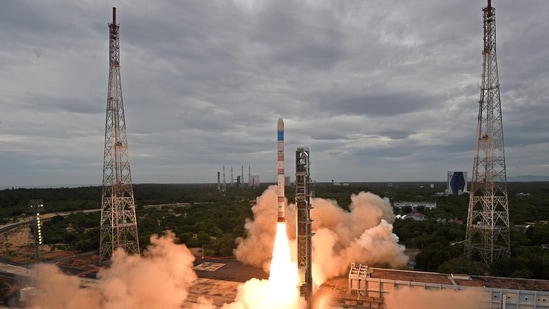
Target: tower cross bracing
x=487, y=234
x=118, y=219
x=304, y=223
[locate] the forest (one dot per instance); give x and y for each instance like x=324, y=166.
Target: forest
x=211, y=219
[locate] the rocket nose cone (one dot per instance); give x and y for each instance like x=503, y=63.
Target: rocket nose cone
x=280, y=124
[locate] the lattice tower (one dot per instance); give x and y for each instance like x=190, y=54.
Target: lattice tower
x=487, y=234
x=118, y=219
x=303, y=223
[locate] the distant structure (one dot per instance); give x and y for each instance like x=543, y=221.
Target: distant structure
x=487, y=233
x=457, y=183
x=415, y=205
x=254, y=181
x=287, y=180
x=303, y=223
x=232, y=178
x=224, y=185
x=118, y=220
x=218, y=181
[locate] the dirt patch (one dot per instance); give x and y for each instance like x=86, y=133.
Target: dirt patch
x=16, y=245
x=83, y=261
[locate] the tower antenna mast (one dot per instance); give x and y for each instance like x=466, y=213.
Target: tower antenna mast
x=487, y=234
x=118, y=219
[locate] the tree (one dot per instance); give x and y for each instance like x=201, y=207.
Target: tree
x=224, y=246
x=430, y=258
x=461, y=265
x=539, y=234
x=4, y=288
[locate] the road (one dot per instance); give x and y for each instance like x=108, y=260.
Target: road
x=45, y=216
x=50, y=215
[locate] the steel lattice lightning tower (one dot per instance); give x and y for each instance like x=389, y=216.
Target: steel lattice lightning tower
x=488, y=217
x=303, y=222
x=118, y=220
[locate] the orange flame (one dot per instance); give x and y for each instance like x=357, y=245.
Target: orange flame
x=280, y=291
x=283, y=278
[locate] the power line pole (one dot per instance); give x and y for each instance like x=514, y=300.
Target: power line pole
x=118, y=220
x=487, y=235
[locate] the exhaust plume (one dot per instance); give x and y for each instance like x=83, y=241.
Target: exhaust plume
x=257, y=248
x=162, y=276
x=418, y=298
x=361, y=235
x=159, y=279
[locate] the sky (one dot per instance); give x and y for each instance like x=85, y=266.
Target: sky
x=380, y=90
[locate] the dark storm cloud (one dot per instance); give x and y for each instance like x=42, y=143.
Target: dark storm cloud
x=382, y=105
x=383, y=90
x=312, y=43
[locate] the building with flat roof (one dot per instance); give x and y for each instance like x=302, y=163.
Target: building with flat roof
x=415, y=205
x=371, y=286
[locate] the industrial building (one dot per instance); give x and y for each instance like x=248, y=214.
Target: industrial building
x=415, y=205
x=371, y=286
x=457, y=183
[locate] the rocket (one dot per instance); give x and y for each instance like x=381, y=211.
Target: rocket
x=280, y=152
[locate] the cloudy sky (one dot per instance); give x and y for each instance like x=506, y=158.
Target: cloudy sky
x=379, y=90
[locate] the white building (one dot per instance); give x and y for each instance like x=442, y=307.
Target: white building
x=415, y=205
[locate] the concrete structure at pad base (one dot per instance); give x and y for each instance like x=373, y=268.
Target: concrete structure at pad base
x=219, y=292
x=368, y=287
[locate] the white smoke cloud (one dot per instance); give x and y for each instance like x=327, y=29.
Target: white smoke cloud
x=257, y=248
x=256, y=293
x=361, y=235
x=159, y=279
x=418, y=298
x=280, y=291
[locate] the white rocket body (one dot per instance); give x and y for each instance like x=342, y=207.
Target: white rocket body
x=280, y=169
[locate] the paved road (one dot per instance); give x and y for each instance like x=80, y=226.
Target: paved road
x=50, y=215
x=46, y=216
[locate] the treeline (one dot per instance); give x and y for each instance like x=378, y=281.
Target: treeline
x=14, y=202
x=442, y=249
x=213, y=220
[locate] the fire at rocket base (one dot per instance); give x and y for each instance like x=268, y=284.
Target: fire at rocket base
x=280, y=151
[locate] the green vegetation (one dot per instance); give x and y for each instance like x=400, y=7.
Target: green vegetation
x=212, y=219
x=4, y=288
